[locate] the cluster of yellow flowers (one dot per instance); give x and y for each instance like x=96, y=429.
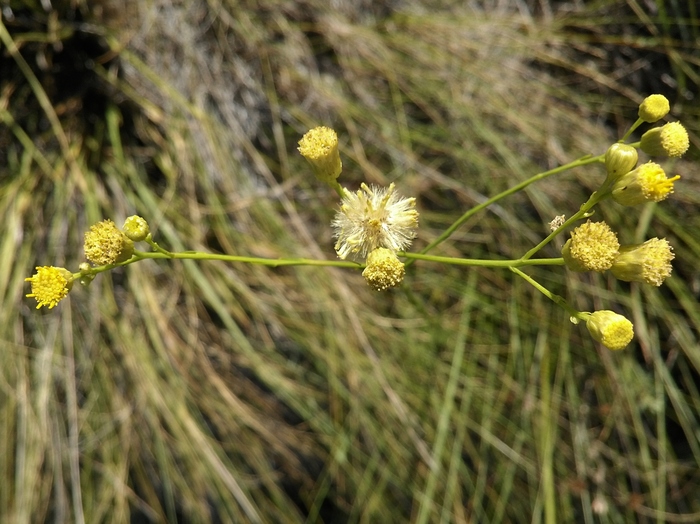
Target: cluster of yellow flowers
x=105, y=244
x=595, y=247
x=374, y=226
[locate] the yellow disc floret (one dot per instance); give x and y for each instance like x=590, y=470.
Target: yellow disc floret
x=612, y=330
x=384, y=269
x=106, y=244
x=592, y=247
x=647, y=183
x=50, y=285
x=668, y=140
x=649, y=262
x=320, y=147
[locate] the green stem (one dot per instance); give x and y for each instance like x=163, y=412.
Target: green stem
x=596, y=197
x=270, y=262
x=338, y=188
x=154, y=245
x=586, y=160
x=484, y=263
x=279, y=262
x=546, y=292
x=602, y=193
x=634, y=126
x=196, y=255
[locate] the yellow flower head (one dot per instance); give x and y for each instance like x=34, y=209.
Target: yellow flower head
x=647, y=183
x=50, y=285
x=384, y=269
x=105, y=244
x=371, y=218
x=668, y=140
x=610, y=329
x=136, y=228
x=592, y=247
x=649, y=262
x=653, y=108
x=620, y=159
x=320, y=147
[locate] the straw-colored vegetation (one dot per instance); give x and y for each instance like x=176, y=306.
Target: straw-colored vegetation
x=197, y=392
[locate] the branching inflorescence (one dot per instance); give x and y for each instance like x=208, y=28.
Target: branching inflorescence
x=374, y=226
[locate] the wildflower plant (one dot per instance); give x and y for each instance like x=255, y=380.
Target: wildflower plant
x=374, y=227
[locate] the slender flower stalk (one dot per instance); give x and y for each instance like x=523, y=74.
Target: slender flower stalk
x=583, y=161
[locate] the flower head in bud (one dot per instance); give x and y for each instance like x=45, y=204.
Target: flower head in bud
x=592, y=247
x=384, y=269
x=50, y=285
x=320, y=147
x=649, y=262
x=654, y=108
x=371, y=218
x=647, y=183
x=668, y=140
x=105, y=244
x=610, y=329
x=620, y=159
x=136, y=228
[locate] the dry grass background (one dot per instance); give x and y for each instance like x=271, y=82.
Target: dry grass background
x=183, y=392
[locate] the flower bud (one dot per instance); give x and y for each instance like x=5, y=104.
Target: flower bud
x=592, y=247
x=620, y=159
x=384, y=269
x=654, y=108
x=320, y=147
x=612, y=330
x=649, y=262
x=136, y=228
x=647, y=183
x=668, y=140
